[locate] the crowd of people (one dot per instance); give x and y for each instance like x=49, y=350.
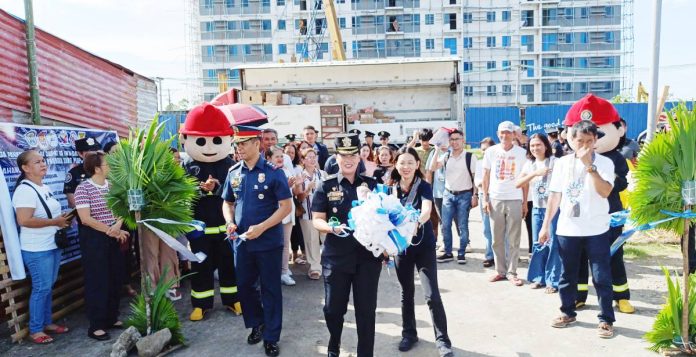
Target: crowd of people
x=268, y=206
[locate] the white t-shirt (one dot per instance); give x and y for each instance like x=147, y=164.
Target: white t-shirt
x=36, y=239
x=538, y=188
x=457, y=173
x=506, y=168
x=594, y=214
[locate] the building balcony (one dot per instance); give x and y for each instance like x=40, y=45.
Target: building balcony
x=590, y=21
x=236, y=34
x=579, y=47
x=220, y=9
x=237, y=58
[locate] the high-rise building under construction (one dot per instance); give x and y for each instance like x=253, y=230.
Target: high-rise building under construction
x=513, y=52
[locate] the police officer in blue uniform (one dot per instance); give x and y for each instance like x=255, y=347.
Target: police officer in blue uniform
x=78, y=174
x=256, y=198
x=345, y=262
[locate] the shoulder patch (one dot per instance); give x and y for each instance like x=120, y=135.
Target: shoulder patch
x=235, y=166
x=68, y=177
x=330, y=177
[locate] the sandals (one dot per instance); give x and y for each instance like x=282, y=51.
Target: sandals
x=42, y=340
x=605, y=330
x=497, y=277
x=516, y=281
x=300, y=261
x=536, y=285
x=562, y=321
x=550, y=290
x=314, y=275
x=58, y=330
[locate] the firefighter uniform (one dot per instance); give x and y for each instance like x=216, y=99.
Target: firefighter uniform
x=213, y=243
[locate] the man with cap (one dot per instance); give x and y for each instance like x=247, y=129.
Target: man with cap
x=370, y=140
x=207, y=138
x=77, y=174
x=256, y=199
x=556, y=146
x=384, y=140
x=310, y=136
x=345, y=262
x=505, y=203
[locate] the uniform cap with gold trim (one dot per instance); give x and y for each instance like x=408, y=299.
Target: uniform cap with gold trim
x=243, y=133
x=347, y=144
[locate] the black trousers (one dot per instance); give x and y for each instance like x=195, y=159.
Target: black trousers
x=296, y=238
x=221, y=257
x=528, y=223
x=423, y=260
x=337, y=285
x=619, y=279
x=102, y=262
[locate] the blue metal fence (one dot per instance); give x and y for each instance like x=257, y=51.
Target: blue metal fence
x=172, y=120
x=483, y=122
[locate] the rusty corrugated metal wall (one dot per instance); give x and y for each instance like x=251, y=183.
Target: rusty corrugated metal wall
x=76, y=87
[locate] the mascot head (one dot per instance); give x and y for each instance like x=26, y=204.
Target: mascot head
x=207, y=134
x=604, y=115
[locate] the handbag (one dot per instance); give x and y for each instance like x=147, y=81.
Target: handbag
x=299, y=210
x=61, y=237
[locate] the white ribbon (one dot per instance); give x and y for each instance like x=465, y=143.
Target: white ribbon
x=171, y=241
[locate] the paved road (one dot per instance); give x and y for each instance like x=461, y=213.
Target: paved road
x=484, y=319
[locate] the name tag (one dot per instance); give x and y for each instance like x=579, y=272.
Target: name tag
x=335, y=196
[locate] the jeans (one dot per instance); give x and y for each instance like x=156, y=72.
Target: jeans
x=456, y=207
x=487, y=233
x=548, y=270
x=597, y=249
x=43, y=268
x=424, y=261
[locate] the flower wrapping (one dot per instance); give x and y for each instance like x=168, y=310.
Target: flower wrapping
x=381, y=223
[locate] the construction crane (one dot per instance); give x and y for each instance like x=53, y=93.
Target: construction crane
x=338, y=53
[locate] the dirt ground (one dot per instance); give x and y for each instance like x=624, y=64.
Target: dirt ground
x=484, y=319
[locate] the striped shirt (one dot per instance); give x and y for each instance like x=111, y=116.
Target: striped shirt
x=90, y=195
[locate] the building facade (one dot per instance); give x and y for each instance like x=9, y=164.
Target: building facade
x=513, y=52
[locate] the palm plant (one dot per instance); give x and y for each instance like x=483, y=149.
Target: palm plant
x=148, y=183
x=667, y=166
x=668, y=322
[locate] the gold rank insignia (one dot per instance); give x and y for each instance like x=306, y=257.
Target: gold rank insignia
x=334, y=195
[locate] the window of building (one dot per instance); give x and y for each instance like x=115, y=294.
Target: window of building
x=583, y=12
x=468, y=91
x=609, y=11
x=266, y=25
x=490, y=16
x=491, y=91
x=210, y=73
x=569, y=13
x=529, y=66
x=609, y=37
x=245, y=3
x=233, y=50
x=506, y=65
x=342, y=22
x=451, y=19
x=527, y=89
x=528, y=18
x=282, y=49
x=247, y=49
x=281, y=25
x=506, y=41
x=467, y=17
x=429, y=43
x=505, y=15
x=451, y=44
x=490, y=41
x=468, y=66
x=246, y=25
x=229, y=3
x=267, y=49
x=429, y=19
x=208, y=3
x=231, y=25
x=280, y=2
x=341, y=1
x=490, y=65
x=507, y=89
x=468, y=42
x=549, y=42
x=582, y=62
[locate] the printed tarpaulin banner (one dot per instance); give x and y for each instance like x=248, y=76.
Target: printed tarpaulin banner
x=57, y=145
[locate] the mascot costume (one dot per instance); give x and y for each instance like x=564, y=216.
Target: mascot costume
x=611, y=139
x=207, y=139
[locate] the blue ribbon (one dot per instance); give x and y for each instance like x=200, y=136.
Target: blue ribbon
x=617, y=216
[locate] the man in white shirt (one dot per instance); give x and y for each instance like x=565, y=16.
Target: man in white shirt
x=579, y=187
x=506, y=204
x=459, y=195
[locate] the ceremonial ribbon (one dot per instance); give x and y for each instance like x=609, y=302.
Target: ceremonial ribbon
x=334, y=222
x=171, y=241
x=621, y=217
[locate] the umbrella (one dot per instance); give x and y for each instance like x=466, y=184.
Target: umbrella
x=226, y=97
x=244, y=114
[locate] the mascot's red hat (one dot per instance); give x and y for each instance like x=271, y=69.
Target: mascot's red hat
x=206, y=120
x=600, y=111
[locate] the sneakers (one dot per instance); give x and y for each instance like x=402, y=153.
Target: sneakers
x=445, y=351
x=461, y=259
x=174, y=294
x=287, y=280
x=468, y=248
x=626, y=307
x=407, y=343
x=445, y=257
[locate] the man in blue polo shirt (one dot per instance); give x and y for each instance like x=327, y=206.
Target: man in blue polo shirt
x=256, y=198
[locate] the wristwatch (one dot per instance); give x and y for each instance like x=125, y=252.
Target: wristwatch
x=592, y=168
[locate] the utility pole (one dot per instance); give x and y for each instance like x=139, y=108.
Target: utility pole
x=159, y=91
x=654, y=71
x=31, y=60
x=169, y=98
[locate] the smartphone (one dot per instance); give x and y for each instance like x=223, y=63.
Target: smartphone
x=71, y=214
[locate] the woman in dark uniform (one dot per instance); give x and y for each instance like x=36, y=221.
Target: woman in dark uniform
x=412, y=189
x=345, y=262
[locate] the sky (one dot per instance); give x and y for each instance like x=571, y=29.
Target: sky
x=149, y=37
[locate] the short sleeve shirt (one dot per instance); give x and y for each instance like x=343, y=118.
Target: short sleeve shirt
x=36, y=239
x=425, y=237
x=74, y=177
x=255, y=193
x=539, y=185
x=571, y=179
x=90, y=195
x=505, y=167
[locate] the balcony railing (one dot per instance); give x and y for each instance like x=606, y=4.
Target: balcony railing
x=238, y=58
x=590, y=21
x=235, y=34
x=251, y=9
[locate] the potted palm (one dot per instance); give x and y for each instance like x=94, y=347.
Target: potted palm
x=666, y=187
x=148, y=183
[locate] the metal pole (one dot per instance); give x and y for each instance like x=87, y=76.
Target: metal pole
x=159, y=91
x=31, y=61
x=517, y=86
x=654, y=71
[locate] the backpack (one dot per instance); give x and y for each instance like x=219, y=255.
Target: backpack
x=468, y=163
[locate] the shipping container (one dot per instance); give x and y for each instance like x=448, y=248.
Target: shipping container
x=77, y=88
x=483, y=122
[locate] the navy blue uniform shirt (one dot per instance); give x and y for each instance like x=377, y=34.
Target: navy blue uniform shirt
x=74, y=177
x=334, y=197
x=255, y=193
